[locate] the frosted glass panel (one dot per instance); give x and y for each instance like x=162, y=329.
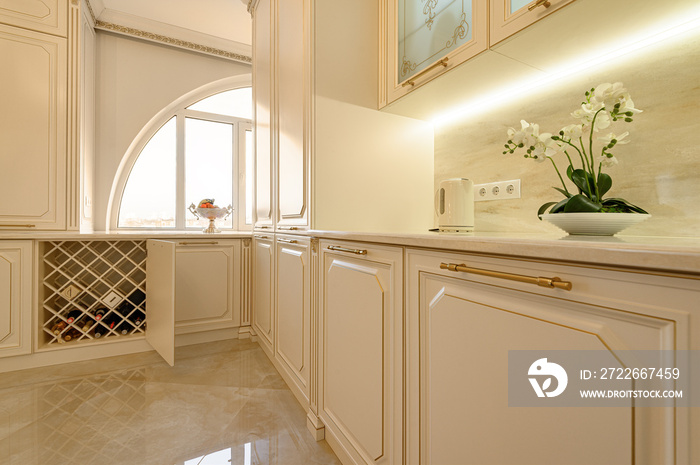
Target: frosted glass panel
x=515, y=5
x=208, y=166
x=149, y=195
x=236, y=102
x=428, y=30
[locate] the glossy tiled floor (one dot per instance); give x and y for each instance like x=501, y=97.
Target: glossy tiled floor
x=222, y=403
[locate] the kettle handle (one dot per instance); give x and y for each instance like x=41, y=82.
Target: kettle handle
x=437, y=210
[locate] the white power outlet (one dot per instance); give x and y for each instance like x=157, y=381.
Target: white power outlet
x=502, y=190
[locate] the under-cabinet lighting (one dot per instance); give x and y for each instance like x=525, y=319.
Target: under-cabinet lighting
x=513, y=92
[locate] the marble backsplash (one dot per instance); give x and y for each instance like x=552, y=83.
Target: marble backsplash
x=658, y=170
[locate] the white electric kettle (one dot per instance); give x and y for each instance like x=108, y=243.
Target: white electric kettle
x=454, y=205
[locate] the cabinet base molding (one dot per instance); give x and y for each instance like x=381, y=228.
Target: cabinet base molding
x=245, y=332
x=189, y=339
x=338, y=449
x=315, y=426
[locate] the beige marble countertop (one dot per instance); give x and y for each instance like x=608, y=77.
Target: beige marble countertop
x=667, y=254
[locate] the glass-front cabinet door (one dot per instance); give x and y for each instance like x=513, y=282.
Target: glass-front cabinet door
x=426, y=38
x=511, y=16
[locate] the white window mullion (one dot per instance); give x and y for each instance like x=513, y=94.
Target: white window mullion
x=180, y=173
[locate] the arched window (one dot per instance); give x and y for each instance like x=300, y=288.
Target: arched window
x=202, y=150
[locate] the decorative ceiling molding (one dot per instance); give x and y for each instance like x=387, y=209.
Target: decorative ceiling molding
x=143, y=28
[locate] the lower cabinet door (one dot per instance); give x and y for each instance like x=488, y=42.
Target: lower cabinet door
x=263, y=291
x=360, y=400
x=208, y=284
x=460, y=330
x=293, y=310
x=15, y=297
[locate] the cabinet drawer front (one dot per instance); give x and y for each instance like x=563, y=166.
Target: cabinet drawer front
x=263, y=290
x=49, y=16
x=15, y=297
x=461, y=327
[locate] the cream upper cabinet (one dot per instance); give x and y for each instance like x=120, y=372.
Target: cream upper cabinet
x=461, y=326
x=49, y=16
x=263, y=39
x=511, y=16
x=15, y=297
x=292, y=97
x=33, y=129
x=263, y=317
x=426, y=38
x=360, y=342
x=293, y=310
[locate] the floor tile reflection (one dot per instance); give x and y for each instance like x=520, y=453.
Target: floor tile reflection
x=223, y=403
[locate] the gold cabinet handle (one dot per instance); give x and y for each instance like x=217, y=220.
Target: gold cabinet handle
x=538, y=280
x=260, y=236
x=198, y=243
x=264, y=227
x=544, y=3
x=288, y=241
x=412, y=81
x=287, y=228
x=17, y=226
x=343, y=249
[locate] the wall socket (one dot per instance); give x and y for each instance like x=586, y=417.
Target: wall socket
x=502, y=190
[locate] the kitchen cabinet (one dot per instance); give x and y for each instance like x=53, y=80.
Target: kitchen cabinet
x=192, y=285
x=360, y=350
x=461, y=326
x=263, y=97
x=208, y=276
x=47, y=16
x=429, y=38
x=40, y=182
x=293, y=311
x=263, y=295
x=510, y=16
x=15, y=297
x=322, y=149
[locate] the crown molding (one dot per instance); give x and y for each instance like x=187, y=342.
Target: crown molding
x=155, y=31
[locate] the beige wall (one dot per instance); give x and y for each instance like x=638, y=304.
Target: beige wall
x=659, y=170
x=135, y=79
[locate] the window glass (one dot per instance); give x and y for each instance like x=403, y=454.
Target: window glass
x=236, y=102
x=208, y=166
x=149, y=195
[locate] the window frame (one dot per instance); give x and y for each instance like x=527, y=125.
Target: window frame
x=178, y=109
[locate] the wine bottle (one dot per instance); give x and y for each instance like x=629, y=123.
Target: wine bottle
x=137, y=318
x=124, y=328
x=124, y=308
x=86, y=323
x=99, y=312
x=105, y=325
x=73, y=315
x=72, y=334
x=58, y=327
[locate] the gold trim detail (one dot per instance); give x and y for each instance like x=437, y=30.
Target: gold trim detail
x=407, y=66
x=90, y=10
x=428, y=11
x=170, y=41
x=246, y=242
x=412, y=81
x=460, y=31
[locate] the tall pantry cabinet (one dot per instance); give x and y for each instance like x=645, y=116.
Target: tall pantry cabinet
x=39, y=180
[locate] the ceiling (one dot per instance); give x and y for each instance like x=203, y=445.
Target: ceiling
x=224, y=24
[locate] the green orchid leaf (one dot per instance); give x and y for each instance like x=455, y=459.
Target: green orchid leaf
x=604, y=183
x=544, y=208
x=583, y=181
x=559, y=207
x=621, y=206
x=566, y=194
x=581, y=203
x=569, y=171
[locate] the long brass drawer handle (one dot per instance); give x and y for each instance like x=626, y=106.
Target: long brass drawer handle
x=198, y=243
x=544, y=3
x=17, y=226
x=288, y=241
x=540, y=281
x=343, y=249
x=287, y=228
x=259, y=236
x=412, y=81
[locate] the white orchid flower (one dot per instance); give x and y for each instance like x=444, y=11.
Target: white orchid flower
x=527, y=135
x=572, y=131
x=620, y=140
x=545, y=147
x=607, y=160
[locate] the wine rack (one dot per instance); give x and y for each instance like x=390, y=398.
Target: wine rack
x=92, y=290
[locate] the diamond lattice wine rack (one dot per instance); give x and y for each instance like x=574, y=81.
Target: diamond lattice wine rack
x=92, y=290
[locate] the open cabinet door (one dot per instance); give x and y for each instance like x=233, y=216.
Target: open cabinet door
x=160, y=298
